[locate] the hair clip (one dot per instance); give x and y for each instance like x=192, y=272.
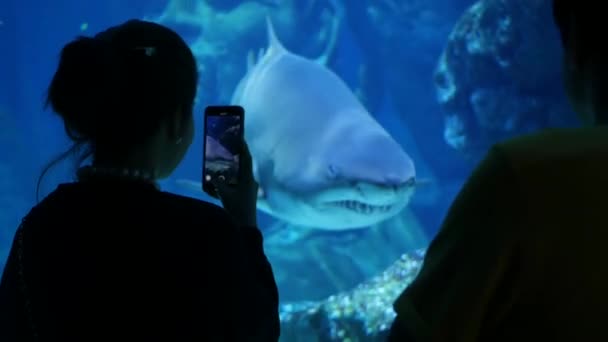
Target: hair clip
x=148, y=50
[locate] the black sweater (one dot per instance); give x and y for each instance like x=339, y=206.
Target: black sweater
x=112, y=260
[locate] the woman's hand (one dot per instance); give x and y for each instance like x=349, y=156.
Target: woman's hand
x=240, y=201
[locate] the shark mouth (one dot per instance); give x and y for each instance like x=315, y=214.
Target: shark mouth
x=362, y=208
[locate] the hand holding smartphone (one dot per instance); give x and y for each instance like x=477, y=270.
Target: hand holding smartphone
x=222, y=144
x=227, y=164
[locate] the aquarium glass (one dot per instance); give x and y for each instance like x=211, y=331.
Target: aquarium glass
x=378, y=112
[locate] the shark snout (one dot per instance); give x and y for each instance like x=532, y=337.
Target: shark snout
x=372, y=158
x=387, y=189
x=388, y=179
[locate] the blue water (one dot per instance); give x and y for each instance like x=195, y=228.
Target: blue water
x=32, y=33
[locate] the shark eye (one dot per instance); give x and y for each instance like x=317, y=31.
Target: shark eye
x=411, y=182
x=332, y=172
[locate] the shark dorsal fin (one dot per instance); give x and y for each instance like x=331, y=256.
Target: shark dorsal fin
x=274, y=44
x=250, y=60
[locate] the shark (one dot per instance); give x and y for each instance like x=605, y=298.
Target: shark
x=321, y=160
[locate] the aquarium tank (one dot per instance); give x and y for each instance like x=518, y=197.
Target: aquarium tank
x=436, y=82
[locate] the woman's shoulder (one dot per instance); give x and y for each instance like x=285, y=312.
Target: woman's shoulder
x=189, y=206
x=141, y=201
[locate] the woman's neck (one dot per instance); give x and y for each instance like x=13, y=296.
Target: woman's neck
x=124, y=166
x=88, y=173
x=135, y=162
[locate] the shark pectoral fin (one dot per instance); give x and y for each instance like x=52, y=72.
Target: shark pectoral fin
x=264, y=206
x=262, y=202
x=189, y=184
x=254, y=170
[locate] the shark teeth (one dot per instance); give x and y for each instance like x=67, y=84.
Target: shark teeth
x=363, y=208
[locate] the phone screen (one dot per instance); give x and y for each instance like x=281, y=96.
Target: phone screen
x=223, y=136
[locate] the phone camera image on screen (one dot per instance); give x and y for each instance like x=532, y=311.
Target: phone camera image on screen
x=222, y=143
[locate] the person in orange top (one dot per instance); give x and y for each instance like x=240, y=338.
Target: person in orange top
x=522, y=255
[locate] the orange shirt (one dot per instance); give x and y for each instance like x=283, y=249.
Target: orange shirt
x=523, y=252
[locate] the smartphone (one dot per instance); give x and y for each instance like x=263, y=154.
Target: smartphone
x=224, y=132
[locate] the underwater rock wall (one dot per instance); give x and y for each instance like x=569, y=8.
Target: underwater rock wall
x=499, y=75
x=364, y=313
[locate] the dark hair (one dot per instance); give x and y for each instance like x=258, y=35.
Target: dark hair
x=561, y=17
x=114, y=89
x=589, y=18
x=582, y=22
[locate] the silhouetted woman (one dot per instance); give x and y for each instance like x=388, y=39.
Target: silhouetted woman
x=521, y=255
x=111, y=257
